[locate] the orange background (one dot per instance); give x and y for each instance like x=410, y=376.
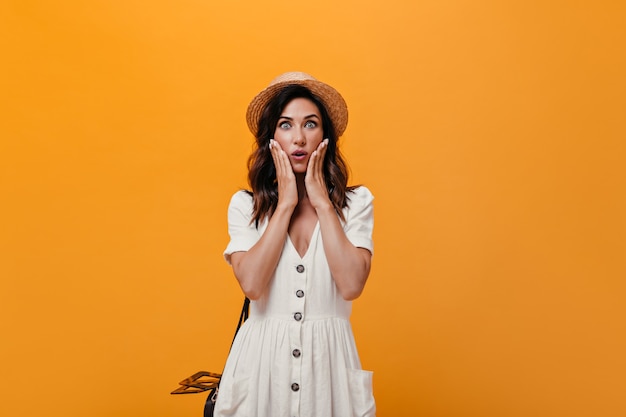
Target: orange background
x=491, y=133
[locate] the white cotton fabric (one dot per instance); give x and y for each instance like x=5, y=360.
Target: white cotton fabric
x=261, y=368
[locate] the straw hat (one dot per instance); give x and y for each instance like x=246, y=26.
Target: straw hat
x=334, y=103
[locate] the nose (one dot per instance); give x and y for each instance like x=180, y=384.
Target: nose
x=299, y=138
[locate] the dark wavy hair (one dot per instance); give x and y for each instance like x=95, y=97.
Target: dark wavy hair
x=261, y=170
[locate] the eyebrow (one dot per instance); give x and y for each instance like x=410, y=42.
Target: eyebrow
x=305, y=117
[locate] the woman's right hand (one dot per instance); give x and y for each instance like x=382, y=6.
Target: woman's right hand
x=254, y=268
x=287, y=189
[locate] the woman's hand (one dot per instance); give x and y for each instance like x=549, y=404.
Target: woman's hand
x=314, y=179
x=254, y=268
x=287, y=189
x=349, y=265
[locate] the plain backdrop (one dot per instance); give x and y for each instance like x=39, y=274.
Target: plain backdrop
x=490, y=132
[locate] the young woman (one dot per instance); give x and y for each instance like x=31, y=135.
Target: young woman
x=301, y=247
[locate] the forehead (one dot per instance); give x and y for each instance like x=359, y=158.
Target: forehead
x=300, y=107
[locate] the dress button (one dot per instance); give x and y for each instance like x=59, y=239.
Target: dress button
x=300, y=268
x=297, y=316
x=295, y=387
x=299, y=293
x=296, y=353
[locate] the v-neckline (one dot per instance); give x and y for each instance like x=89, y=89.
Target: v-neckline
x=311, y=241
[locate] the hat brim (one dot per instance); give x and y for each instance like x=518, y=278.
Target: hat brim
x=333, y=101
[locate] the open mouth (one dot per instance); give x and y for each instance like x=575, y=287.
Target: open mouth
x=299, y=154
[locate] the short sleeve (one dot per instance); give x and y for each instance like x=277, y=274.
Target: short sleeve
x=359, y=216
x=243, y=233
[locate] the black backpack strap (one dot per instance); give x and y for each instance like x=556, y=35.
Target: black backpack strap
x=245, y=312
x=209, y=404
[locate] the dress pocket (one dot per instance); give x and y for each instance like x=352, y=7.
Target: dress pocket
x=361, y=394
x=231, y=397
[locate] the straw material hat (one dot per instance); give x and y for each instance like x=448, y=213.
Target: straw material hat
x=334, y=103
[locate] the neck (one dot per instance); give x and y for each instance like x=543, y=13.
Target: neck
x=301, y=187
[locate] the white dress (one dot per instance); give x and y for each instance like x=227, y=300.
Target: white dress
x=295, y=356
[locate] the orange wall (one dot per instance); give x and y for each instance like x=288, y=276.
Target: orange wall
x=492, y=134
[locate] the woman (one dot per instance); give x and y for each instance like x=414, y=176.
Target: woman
x=301, y=247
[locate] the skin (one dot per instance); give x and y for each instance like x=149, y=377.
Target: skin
x=298, y=151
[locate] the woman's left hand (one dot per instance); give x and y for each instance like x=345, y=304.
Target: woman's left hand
x=314, y=179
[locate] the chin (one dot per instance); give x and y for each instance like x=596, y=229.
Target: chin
x=299, y=169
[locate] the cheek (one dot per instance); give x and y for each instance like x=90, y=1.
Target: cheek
x=280, y=137
x=316, y=142
x=317, y=137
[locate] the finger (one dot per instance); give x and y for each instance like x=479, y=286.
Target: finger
x=278, y=157
x=285, y=164
x=311, y=169
x=315, y=175
x=320, y=153
x=274, y=150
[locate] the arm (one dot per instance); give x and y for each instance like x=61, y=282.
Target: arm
x=349, y=264
x=255, y=267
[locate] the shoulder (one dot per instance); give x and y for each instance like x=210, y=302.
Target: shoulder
x=360, y=203
x=360, y=196
x=241, y=199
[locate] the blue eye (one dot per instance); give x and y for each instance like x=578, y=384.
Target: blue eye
x=310, y=124
x=284, y=125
